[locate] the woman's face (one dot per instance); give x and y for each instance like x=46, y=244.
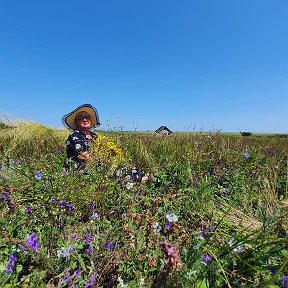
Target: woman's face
x=83, y=121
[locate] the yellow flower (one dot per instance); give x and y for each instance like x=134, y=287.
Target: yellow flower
x=107, y=151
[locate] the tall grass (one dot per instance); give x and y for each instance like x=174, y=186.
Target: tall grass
x=213, y=214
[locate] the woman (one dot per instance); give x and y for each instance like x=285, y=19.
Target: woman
x=79, y=142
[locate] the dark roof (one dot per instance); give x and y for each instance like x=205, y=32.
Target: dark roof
x=163, y=128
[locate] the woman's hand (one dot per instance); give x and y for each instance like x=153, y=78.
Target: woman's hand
x=84, y=156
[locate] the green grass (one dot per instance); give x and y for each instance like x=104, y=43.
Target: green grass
x=229, y=207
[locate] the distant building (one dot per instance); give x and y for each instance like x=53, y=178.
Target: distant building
x=163, y=130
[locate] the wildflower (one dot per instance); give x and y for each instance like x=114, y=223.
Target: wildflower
x=172, y=256
x=28, y=210
x=46, y=188
x=212, y=172
x=12, y=261
x=91, y=282
x=69, y=208
x=168, y=225
x=91, y=206
x=205, y=230
x=129, y=186
x=74, y=237
x=172, y=218
x=95, y=216
x=61, y=204
x=246, y=155
x=89, y=238
x=68, y=279
x=272, y=270
x=284, y=282
x=7, y=198
x=206, y=258
x=156, y=227
x=32, y=242
x=54, y=200
x=59, y=150
x=77, y=273
x=238, y=249
x=1, y=166
x=38, y=175
x=65, y=252
x=89, y=250
x=110, y=245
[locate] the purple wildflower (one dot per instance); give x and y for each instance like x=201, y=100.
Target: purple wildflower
x=7, y=198
x=61, y=204
x=38, y=175
x=32, y=242
x=110, y=245
x=74, y=237
x=89, y=250
x=212, y=172
x=89, y=238
x=59, y=150
x=168, y=225
x=77, y=273
x=68, y=279
x=206, y=258
x=46, y=188
x=69, y=208
x=1, y=166
x=95, y=216
x=284, y=282
x=28, y=211
x=246, y=155
x=54, y=200
x=12, y=261
x=91, y=282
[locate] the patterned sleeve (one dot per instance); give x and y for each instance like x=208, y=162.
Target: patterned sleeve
x=75, y=145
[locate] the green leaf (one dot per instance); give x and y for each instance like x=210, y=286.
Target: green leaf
x=202, y=284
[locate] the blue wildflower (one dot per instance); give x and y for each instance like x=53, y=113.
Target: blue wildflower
x=38, y=175
x=272, y=270
x=110, y=245
x=246, y=155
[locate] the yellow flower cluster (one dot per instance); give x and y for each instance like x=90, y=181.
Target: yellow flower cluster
x=107, y=151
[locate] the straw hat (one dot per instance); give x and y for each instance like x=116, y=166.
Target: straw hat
x=69, y=119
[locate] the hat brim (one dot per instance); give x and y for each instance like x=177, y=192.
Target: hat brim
x=69, y=119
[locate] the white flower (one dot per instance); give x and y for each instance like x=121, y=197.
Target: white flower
x=77, y=146
x=238, y=249
x=129, y=185
x=172, y=218
x=156, y=227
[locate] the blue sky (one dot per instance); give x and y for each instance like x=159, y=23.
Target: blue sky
x=190, y=65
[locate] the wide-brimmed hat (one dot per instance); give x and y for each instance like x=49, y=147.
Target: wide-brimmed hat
x=69, y=119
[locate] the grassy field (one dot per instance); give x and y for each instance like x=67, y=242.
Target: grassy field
x=213, y=213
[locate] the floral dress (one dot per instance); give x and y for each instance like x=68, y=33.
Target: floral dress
x=77, y=143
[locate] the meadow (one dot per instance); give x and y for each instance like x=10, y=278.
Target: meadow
x=212, y=214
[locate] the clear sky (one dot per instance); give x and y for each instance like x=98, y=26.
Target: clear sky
x=204, y=65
